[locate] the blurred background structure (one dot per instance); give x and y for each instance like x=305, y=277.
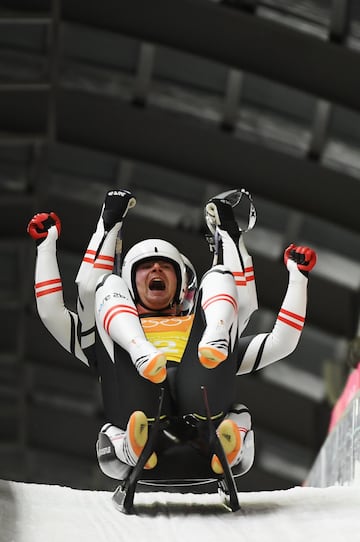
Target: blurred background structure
x=177, y=101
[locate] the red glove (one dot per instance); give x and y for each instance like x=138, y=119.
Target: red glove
x=304, y=257
x=40, y=224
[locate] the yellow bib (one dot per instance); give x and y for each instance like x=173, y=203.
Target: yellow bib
x=169, y=334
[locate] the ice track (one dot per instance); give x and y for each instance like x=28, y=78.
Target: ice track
x=42, y=513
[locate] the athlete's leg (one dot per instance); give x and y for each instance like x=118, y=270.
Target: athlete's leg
x=192, y=376
x=128, y=444
x=232, y=432
x=232, y=422
x=118, y=321
x=130, y=402
x=220, y=307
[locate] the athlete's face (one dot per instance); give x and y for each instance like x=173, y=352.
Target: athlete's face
x=156, y=283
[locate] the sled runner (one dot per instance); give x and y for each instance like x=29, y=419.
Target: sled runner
x=180, y=465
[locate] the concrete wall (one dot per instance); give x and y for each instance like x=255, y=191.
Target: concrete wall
x=338, y=462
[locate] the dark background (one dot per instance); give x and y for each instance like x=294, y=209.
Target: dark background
x=177, y=101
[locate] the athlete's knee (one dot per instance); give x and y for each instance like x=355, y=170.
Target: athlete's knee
x=112, y=282
x=217, y=271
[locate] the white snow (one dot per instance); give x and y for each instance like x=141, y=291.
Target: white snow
x=42, y=513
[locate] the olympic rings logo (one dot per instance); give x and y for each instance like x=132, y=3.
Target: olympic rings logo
x=151, y=323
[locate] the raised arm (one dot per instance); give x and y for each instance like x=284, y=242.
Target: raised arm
x=61, y=322
x=258, y=351
x=101, y=258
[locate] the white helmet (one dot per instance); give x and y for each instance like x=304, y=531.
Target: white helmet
x=150, y=249
x=191, y=286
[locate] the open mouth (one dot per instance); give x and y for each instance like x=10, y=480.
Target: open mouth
x=157, y=284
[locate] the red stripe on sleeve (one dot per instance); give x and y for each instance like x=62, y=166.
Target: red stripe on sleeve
x=48, y=291
x=299, y=327
x=47, y=282
x=292, y=315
